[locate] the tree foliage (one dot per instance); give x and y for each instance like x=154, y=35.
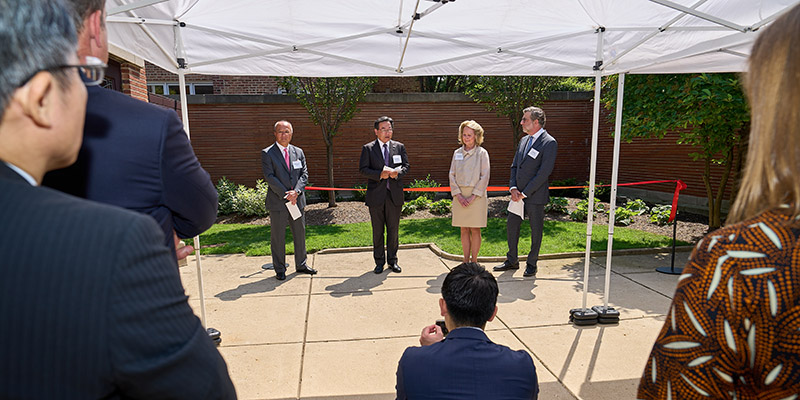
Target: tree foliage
x=708, y=111
x=509, y=95
x=330, y=102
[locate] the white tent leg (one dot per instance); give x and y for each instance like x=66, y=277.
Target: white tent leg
x=185, y=120
x=583, y=315
x=614, y=176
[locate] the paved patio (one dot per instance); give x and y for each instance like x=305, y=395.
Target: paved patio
x=340, y=333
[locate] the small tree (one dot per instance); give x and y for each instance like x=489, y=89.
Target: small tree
x=330, y=102
x=708, y=111
x=509, y=95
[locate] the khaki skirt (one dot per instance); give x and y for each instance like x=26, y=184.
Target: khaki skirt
x=473, y=216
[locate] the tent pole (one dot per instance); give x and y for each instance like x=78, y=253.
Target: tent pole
x=614, y=177
x=185, y=120
x=583, y=315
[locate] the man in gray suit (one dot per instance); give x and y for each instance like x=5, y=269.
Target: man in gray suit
x=284, y=167
x=530, y=170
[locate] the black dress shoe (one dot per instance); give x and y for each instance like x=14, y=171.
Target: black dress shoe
x=280, y=275
x=530, y=270
x=395, y=268
x=506, y=266
x=378, y=269
x=305, y=269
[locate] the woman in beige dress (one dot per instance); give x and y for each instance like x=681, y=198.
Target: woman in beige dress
x=469, y=177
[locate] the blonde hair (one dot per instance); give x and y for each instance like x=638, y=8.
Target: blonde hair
x=771, y=177
x=475, y=127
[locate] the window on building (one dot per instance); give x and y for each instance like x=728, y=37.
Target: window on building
x=169, y=88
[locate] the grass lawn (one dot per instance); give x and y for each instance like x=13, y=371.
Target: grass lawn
x=559, y=237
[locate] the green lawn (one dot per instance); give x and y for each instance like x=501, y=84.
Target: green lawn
x=559, y=237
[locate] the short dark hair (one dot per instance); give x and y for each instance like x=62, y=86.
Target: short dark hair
x=34, y=35
x=383, y=119
x=470, y=293
x=82, y=9
x=536, y=114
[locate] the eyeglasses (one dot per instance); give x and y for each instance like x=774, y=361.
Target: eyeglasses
x=93, y=71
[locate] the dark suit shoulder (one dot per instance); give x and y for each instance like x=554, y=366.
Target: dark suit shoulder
x=122, y=104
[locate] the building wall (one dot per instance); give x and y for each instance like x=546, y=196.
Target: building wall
x=134, y=80
x=223, y=84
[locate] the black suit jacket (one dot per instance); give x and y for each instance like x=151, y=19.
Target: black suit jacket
x=530, y=175
x=466, y=365
x=136, y=155
x=281, y=179
x=371, y=164
x=92, y=306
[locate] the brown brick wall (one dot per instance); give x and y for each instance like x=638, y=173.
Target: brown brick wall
x=405, y=84
x=223, y=84
x=134, y=81
x=228, y=138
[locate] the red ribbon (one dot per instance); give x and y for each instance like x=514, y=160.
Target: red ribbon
x=679, y=185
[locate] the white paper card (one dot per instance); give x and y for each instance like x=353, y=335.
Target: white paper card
x=459, y=156
x=397, y=159
x=533, y=153
x=294, y=211
x=517, y=207
x=297, y=164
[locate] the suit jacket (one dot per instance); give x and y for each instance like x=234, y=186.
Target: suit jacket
x=136, y=155
x=281, y=179
x=466, y=365
x=530, y=175
x=371, y=164
x=92, y=305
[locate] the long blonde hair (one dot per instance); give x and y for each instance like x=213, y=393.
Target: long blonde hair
x=771, y=177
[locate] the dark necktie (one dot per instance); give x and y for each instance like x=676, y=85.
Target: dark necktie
x=528, y=145
x=386, y=159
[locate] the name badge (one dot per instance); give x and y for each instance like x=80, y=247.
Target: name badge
x=459, y=156
x=297, y=164
x=397, y=159
x=533, y=153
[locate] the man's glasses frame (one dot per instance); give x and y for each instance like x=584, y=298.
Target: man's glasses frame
x=93, y=71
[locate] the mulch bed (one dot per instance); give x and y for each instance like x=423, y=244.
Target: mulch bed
x=691, y=227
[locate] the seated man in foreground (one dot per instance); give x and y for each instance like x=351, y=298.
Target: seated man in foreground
x=465, y=364
x=90, y=300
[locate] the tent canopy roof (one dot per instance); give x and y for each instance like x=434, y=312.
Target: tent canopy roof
x=456, y=37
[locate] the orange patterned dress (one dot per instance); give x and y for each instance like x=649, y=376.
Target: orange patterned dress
x=733, y=330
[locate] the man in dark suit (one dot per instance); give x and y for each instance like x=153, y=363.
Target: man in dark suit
x=384, y=162
x=135, y=155
x=445, y=367
x=284, y=167
x=530, y=171
x=89, y=301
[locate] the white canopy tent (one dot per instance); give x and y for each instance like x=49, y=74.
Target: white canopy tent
x=321, y=38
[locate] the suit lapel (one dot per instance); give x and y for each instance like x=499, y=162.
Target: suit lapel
x=278, y=155
x=378, y=151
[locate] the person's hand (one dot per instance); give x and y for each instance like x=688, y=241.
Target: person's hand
x=385, y=174
x=470, y=200
x=393, y=174
x=461, y=200
x=181, y=252
x=292, y=196
x=431, y=334
x=516, y=195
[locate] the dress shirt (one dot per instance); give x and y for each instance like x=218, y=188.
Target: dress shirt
x=472, y=170
x=22, y=173
x=530, y=141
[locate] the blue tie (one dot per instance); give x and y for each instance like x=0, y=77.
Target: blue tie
x=528, y=145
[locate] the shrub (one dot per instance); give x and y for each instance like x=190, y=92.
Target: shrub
x=360, y=195
x=441, y=207
x=557, y=205
x=582, y=209
x=226, y=191
x=567, y=192
x=602, y=192
x=623, y=216
x=421, y=183
x=250, y=202
x=659, y=215
x=638, y=206
x=409, y=208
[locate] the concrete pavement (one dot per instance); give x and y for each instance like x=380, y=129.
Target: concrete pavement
x=339, y=334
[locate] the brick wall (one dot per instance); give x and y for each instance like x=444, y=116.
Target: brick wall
x=223, y=84
x=405, y=84
x=134, y=81
x=228, y=138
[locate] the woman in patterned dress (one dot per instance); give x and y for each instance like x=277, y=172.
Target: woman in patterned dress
x=733, y=330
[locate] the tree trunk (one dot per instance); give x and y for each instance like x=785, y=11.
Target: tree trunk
x=713, y=217
x=723, y=183
x=331, y=194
